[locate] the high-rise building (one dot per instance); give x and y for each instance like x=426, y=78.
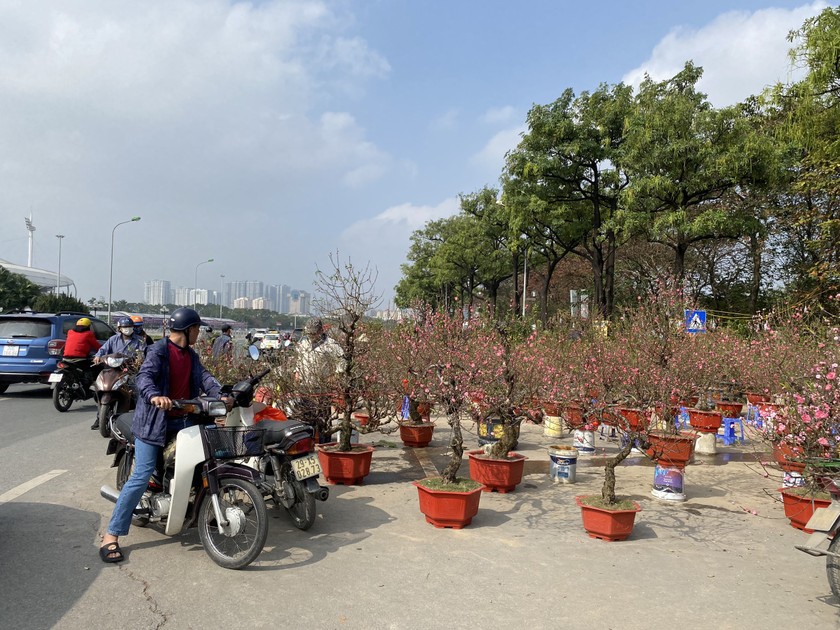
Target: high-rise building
x=254, y=289
x=183, y=296
x=157, y=292
x=298, y=302
x=198, y=296
x=242, y=302
x=259, y=303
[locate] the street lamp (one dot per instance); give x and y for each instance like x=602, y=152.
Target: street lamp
x=195, y=283
x=163, y=312
x=111, y=272
x=221, y=291
x=58, y=277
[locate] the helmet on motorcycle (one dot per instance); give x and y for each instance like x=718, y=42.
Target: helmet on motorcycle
x=125, y=322
x=183, y=318
x=83, y=321
x=138, y=321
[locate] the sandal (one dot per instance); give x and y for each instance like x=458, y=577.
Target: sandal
x=106, y=551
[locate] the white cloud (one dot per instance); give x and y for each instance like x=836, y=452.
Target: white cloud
x=383, y=240
x=446, y=121
x=741, y=53
x=499, y=115
x=492, y=155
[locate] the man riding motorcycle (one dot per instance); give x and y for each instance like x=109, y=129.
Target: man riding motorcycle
x=124, y=342
x=138, y=330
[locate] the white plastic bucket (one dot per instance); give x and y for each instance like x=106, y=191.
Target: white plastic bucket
x=563, y=464
x=584, y=441
x=668, y=483
x=793, y=480
x=552, y=426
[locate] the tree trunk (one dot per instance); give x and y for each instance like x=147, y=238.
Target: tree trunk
x=457, y=445
x=608, y=490
x=755, y=283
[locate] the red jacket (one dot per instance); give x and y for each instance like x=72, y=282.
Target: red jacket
x=80, y=344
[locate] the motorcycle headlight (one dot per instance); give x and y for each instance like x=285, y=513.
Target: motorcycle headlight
x=114, y=362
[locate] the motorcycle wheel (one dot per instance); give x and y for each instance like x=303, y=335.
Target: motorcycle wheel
x=303, y=509
x=832, y=566
x=124, y=470
x=62, y=396
x=244, y=539
x=104, y=418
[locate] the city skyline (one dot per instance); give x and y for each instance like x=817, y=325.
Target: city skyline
x=249, y=294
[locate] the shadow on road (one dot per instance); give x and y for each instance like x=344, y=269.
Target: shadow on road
x=46, y=568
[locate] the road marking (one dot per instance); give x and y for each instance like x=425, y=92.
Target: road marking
x=425, y=462
x=23, y=488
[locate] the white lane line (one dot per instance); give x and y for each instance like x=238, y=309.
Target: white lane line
x=23, y=488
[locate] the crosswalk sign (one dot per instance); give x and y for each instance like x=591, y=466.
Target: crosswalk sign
x=695, y=321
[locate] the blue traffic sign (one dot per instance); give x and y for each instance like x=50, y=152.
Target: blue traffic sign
x=695, y=321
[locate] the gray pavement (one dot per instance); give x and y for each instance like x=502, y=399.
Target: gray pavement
x=724, y=558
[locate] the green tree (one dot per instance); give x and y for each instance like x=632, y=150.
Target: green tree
x=51, y=303
x=568, y=168
x=16, y=291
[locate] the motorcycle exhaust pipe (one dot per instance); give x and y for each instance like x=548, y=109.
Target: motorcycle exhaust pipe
x=323, y=493
x=107, y=492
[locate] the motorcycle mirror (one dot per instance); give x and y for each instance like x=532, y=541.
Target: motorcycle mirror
x=254, y=352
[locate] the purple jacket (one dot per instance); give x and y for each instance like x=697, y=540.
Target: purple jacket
x=149, y=423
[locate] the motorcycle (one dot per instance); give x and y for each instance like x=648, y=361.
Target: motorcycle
x=825, y=523
x=113, y=390
x=71, y=382
x=202, y=485
x=289, y=466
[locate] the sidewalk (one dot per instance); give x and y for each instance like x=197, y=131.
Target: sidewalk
x=724, y=558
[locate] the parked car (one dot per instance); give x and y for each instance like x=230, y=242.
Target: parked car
x=271, y=341
x=31, y=343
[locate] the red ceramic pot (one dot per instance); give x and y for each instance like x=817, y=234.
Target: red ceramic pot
x=443, y=508
x=345, y=467
x=705, y=421
x=800, y=509
x=609, y=525
x=501, y=475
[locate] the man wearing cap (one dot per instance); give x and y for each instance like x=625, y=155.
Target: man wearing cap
x=223, y=343
x=318, y=358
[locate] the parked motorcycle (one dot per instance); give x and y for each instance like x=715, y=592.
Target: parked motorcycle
x=71, y=382
x=113, y=390
x=289, y=465
x=201, y=485
x=825, y=523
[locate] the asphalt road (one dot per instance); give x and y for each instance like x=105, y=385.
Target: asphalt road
x=722, y=559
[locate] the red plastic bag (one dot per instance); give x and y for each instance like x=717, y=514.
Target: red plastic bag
x=270, y=413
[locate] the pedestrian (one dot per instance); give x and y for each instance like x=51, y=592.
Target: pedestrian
x=223, y=343
x=172, y=370
x=317, y=358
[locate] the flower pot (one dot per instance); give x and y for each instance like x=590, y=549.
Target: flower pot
x=551, y=408
x=573, y=416
x=416, y=435
x=425, y=410
x=636, y=419
x=799, y=509
x=768, y=409
x=705, y=421
x=609, y=525
x=348, y=468
x=443, y=508
x=753, y=398
x=786, y=456
x=562, y=463
x=501, y=475
x=728, y=408
x=361, y=418
x=670, y=449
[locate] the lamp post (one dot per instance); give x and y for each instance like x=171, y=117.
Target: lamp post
x=111, y=272
x=221, y=291
x=195, y=282
x=163, y=312
x=58, y=277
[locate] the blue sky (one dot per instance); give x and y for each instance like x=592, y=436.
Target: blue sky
x=267, y=135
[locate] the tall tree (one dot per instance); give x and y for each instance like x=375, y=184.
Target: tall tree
x=16, y=291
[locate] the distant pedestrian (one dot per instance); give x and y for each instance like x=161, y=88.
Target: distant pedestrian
x=223, y=344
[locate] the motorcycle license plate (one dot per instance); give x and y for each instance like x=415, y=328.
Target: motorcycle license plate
x=306, y=467
x=55, y=377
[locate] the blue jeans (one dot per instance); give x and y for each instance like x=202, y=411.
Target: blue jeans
x=145, y=457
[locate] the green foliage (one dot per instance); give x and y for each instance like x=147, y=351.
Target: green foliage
x=50, y=303
x=16, y=291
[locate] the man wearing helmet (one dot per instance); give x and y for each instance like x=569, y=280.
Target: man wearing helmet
x=124, y=342
x=138, y=330
x=172, y=370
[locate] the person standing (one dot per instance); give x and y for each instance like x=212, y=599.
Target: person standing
x=318, y=357
x=223, y=343
x=172, y=370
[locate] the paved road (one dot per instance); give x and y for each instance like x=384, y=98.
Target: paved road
x=371, y=561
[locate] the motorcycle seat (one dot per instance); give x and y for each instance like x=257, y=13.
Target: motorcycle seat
x=276, y=432
x=123, y=424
